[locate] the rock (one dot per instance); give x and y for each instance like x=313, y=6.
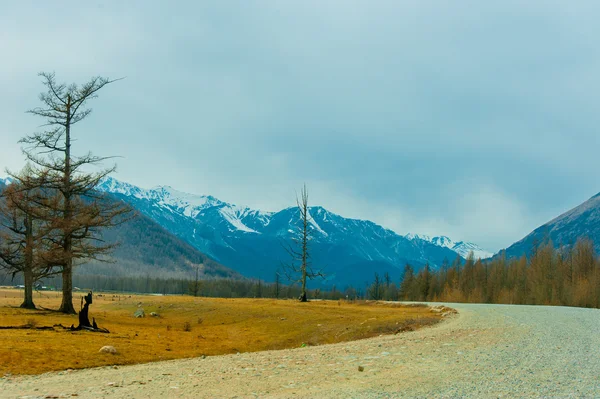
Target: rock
x=139, y=313
x=361, y=368
x=108, y=349
x=154, y=314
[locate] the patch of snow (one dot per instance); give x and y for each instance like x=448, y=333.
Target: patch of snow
x=6, y=180
x=233, y=215
x=316, y=226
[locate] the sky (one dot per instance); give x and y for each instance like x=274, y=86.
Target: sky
x=476, y=120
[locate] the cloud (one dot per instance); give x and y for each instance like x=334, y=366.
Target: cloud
x=476, y=120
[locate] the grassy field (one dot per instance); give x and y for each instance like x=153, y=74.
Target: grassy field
x=186, y=327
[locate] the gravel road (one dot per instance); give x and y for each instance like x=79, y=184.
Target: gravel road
x=486, y=351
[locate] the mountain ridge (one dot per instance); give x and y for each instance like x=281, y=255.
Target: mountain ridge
x=581, y=221
x=250, y=241
x=234, y=213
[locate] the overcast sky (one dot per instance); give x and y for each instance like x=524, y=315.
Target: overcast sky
x=477, y=120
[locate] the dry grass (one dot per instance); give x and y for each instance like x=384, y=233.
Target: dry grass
x=185, y=327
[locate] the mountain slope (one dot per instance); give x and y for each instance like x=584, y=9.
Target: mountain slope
x=583, y=221
x=146, y=248
x=250, y=241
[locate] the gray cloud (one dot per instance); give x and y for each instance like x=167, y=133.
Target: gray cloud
x=476, y=120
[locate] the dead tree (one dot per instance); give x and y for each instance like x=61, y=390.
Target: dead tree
x=84, y=318
x=299, y=269
x=76, y=211
x=195, y=285
x=277, y=285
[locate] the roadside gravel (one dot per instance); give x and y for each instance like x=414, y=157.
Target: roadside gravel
x=486, y=351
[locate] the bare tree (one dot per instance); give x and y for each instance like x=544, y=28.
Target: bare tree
x=76, y=210
x=277, y=285
x=196, y=284
x=375, y=290
x=23, y=236
x=300, y=268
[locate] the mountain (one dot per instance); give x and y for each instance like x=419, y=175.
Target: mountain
x=460, y=247
x=583, y=221
x=146, y=248
x=251, y=242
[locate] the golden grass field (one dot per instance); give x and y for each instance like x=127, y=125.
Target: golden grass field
x=187, y=327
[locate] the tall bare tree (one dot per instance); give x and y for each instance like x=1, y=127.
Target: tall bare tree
x=299, y=269
x=76, y=210
x=196, y=284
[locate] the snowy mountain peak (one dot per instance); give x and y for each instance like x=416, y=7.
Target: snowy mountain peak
x=112, y=185
x=189, y=205
x=230, y=219
x=6, y=180
x=460, y=247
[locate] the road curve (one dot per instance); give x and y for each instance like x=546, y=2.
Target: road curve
x=486, y=351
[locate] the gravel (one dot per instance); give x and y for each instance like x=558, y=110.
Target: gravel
x=486, y=351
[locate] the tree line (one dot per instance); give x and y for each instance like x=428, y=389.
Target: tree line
x=567, y=276
x=215, y=287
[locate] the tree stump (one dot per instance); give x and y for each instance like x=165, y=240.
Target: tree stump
x=84, y=318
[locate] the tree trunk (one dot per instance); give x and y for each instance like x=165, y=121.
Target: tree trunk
x=28, y=300
x=67, y=290
x=28, y=269
x=304, y=214
x=303, y=297
x=67, y=274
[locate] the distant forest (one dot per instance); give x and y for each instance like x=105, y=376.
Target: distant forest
x=550, y=276
x=222, y=288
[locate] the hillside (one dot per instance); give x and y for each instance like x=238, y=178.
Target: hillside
x=147, y=249
x=583, y=221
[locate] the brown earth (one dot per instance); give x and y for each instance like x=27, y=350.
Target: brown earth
x=185, y=327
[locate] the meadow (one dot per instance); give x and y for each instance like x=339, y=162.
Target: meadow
x=185, y=326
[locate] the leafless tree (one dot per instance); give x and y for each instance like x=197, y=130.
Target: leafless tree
x=23, y=236
x=277, y=285
x=76, y=211
x=196, y=284
x=299, y=269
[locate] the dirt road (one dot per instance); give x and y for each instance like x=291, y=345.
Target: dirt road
x=487, y=351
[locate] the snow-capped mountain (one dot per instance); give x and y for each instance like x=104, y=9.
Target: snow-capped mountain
x=460, y=247
x=250, y=241
x=5, y=181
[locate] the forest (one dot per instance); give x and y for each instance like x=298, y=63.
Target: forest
x=566, y=276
